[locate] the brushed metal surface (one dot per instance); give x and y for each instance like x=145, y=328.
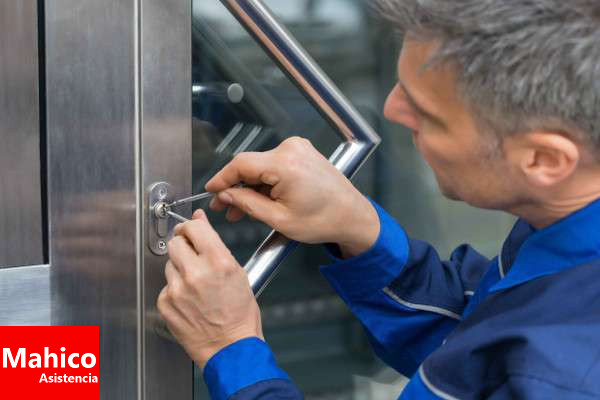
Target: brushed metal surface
x=20, y=194
x=166, y=118
x=25, y=296
x=359, y=138
x=91, y=122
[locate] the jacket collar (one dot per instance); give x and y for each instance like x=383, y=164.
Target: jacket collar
x=528, y=253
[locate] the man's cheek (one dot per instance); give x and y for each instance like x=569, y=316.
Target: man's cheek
x=447, y=171
x=434, y=155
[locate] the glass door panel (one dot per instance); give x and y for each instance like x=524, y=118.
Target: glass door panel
x=241, y=101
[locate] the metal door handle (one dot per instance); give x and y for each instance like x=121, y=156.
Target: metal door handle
x=359, y=138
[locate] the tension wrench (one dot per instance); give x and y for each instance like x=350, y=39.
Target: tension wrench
x=176, y=216
x=165, y=209
x=197, y=197
x=190, y=199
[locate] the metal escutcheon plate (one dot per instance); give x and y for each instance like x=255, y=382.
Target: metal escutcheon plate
x=158, y=228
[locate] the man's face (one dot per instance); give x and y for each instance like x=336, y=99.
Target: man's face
x=468, y=164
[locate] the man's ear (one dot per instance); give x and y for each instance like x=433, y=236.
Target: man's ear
x=544, y=158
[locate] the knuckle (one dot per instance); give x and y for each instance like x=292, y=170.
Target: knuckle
x=305, y=143
x=299, y=143
x=186, y=229
x=171, y=245
x=293, y=141
x=175, y=243
x=194, y=279
x=224, y=264
x=293, y=156
x=240, y=158
x=163, y=298
x=175, y=293
x=290, y=159
x=162, y=308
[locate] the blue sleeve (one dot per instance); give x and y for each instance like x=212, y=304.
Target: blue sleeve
x=534, y=388
x=407, y=299
x=247, y=370
x=511, y=386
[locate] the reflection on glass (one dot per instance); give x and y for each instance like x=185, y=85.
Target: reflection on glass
x=243, y=102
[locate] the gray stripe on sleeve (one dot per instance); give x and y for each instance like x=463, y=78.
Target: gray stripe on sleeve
x=422, y=307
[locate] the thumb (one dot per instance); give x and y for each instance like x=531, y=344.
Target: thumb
x=255, y=205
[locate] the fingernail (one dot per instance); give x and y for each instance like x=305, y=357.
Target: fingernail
x=225, y=198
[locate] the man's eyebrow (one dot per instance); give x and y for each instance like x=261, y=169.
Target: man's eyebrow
x=420, y=109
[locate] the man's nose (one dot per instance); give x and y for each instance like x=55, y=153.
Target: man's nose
x=388, y=106
x=398, y=111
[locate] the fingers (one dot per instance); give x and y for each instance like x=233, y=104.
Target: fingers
x=200, y=214
x=172, y=275
x=202, y=236
x=166, y=309
x=255, y=168
x=181, y=254
x=217, y=205
x=250, y=168
x=234, y=214
x=174, y=288
x=256, y=205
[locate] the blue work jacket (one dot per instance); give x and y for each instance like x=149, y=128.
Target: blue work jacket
x=524, y=325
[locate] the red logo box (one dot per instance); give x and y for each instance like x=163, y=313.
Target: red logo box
x=49, y=362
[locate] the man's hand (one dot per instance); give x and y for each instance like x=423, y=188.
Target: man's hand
x=207, y=303
x=299, y=193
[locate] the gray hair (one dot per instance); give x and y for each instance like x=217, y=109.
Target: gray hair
x=525, y=64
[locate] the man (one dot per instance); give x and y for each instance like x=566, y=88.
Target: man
x=503, y=98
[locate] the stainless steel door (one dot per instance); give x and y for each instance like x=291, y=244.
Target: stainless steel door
x=93, y=133
x=118, y=99
x=165, y=142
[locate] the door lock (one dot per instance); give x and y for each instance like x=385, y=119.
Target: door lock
x=160, y=213
x=160, y=194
